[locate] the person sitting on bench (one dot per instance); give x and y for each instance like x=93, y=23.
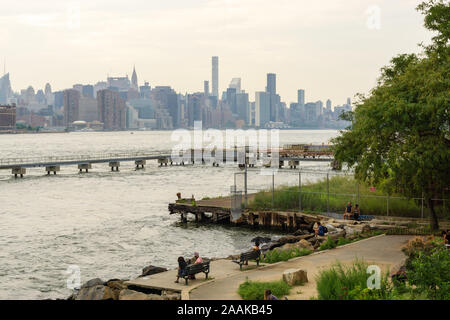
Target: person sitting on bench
x=356, y=212
x=181, y=268
x=255, y=247
x=195, y=260
x=348, y=211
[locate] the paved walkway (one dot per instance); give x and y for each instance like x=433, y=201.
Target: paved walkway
x=384, y=251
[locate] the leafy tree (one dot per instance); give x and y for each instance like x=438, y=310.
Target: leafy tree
x=400, y=133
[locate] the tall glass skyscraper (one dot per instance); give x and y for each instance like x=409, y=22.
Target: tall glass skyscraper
x=215, y=77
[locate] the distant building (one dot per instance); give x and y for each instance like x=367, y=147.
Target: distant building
x=271, y=87
x=231, y=100
x=134, y=80
x=206, y=88
x=236, y=84
x=119, y=83
x=7, y=117
x=71, y=106
x=88, y=91
x=5, y=89
x=111, y=109
x=262, y=109
x=242, y=107
x=88, y=109
x=215, y=76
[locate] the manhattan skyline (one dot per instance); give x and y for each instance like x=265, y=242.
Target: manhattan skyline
x=331, y=51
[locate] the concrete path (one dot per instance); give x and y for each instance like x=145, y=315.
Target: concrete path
x=384, y=251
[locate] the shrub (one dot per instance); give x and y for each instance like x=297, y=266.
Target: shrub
x=429, y=272
x=329, y=244
x=350, y=283
x=278, y=255
x=254, y=290
x=343, y=241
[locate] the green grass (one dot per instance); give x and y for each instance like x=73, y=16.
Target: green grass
x=342, y=190
x=349, y=283
x=254, y=290
x=278, y=255
x=329, y=244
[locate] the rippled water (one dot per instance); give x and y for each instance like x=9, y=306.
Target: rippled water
x=110, y=224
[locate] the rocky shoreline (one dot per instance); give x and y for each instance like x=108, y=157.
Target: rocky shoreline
x=303, y=238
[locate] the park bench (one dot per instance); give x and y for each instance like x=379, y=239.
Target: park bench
x=193, y=269
x=250, y=255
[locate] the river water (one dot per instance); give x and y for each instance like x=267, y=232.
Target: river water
x=110, y=224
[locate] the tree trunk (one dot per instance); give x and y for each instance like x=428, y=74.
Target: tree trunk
x=433, y=217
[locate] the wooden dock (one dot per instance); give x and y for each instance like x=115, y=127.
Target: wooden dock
x=219, y=211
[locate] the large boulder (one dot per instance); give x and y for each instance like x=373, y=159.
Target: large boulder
x=304, y=244
x=97, y=292
x=116, y=284
x=261, y=239
x=295, y=277
x=148, y=271
x=93, y=282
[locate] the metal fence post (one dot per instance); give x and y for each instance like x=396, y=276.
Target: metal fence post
x=357, y=193
x=387, y=206
x=300, y=191
x=328, y=192
x=422, y=206
x=273, y=189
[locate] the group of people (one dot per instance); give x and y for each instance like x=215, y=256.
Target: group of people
x=351, y=212
x=182, y=265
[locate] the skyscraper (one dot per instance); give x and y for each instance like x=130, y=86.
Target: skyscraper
x=301, y=98
x=215, y=76
x=111, y=109
x=206, y=88
x=236, y=84
x=271, y=83
x=329, y=105
x=262, y=108
x=71, y=106
x=5, y=88
x=134, y=80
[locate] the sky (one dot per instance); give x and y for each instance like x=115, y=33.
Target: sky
x=333, y=49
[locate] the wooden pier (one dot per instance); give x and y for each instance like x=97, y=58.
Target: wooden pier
x=218, y=211
x=290, y=155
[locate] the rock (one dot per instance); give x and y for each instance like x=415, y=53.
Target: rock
x=261, y=239
x=288, y=239
x=304, y=244
x=300, y=232
x=349, y=230
x=127, y=294
x=295, y=277
x=116, y=284
x=173, y=296
x=92, y=283
x=330, y=227
x=148, y=271
x=97, y=292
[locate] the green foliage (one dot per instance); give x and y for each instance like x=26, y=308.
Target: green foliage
x=329, y=244
x=278, y=255
x=343, y=241
x=400, y=135
x=254, y=290
x=429, y=272
x=350, y=283
x=314, y=199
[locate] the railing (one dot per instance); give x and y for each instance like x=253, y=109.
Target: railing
x=79, y=157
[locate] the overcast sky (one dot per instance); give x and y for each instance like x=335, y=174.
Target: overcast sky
x=331, y=48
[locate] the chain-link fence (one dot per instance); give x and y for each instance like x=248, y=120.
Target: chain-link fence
x=328, y=192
